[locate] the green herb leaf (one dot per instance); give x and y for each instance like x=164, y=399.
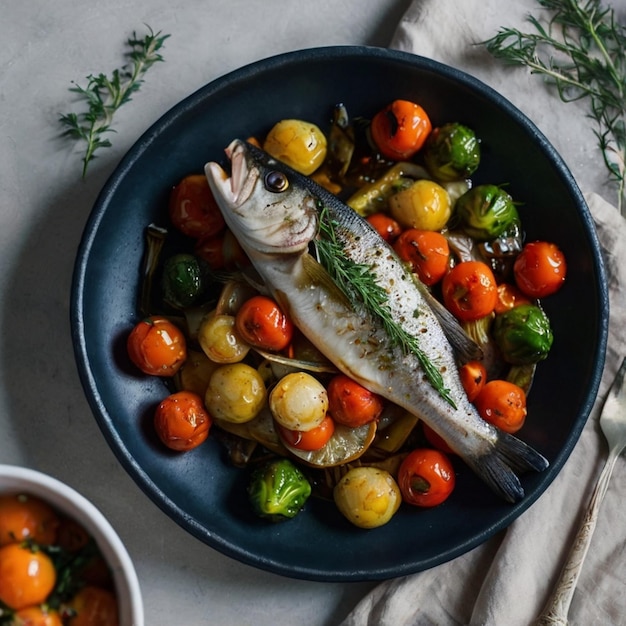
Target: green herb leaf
x=104, y=95
x=582, y=52
x=359, y=284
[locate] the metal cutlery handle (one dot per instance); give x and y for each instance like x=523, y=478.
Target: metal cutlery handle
x=557, y=607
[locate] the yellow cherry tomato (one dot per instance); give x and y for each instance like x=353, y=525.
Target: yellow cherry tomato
x=299, y=144
x=424, y=205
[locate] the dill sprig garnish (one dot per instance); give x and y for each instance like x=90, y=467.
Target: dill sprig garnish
x=358, y=283
x=105, y=95
x=582, y=52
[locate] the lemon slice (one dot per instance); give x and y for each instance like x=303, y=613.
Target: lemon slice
x=346, y=445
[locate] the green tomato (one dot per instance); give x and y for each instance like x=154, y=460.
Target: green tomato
x=485, y=212
x=523, y=334
x=278, y=490
x=452, y=152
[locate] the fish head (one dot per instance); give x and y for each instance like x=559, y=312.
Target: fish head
x=266, y=211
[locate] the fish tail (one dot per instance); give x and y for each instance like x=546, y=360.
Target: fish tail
x=501, y=465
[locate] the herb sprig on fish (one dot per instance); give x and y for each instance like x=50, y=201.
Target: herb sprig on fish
x=357, y=282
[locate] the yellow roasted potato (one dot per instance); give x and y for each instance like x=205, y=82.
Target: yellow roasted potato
x=236, y=393
x=367, y=496
x=299, y=401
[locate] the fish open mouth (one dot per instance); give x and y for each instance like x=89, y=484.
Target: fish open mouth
x=237, y=188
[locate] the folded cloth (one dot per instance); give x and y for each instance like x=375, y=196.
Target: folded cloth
x=507, y=580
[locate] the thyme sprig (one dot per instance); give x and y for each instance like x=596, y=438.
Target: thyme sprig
x=581, y=50
x=358, y=283
x=104, y=95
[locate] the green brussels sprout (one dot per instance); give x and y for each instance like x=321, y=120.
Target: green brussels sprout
x=278, y=490
x=182, y=280
x=452, y=152
x=523, y=334
x=485, y=212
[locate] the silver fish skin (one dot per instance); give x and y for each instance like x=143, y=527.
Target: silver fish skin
x=275, y=216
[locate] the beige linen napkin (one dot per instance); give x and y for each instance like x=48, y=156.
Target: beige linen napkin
x=506, y=581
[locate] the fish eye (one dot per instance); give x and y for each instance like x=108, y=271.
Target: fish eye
x=276, y=181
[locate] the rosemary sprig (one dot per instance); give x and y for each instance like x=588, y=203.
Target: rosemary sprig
x=105, y=95
x=359, y=284
x=581, y=50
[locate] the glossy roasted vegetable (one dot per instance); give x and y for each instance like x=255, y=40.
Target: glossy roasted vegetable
x=452, y=151
x=278, y=490
x=299, y=144
x=523, y=334
x=182, y=280
x=485, y=212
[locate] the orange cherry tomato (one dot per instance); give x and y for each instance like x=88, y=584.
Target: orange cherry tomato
x=473, y=378
x=469, y=290
x=181, y=421
x=309, y=440
x=222, y=252
x=193, y=209
x=435, y=440
x=27, y=517
x=400, y=129
x=36, y=616
x=502, y=404
x=426, y=477
x=157, y=346
x=93, y=606
x=262, y=324
x=350, y=403
x=26, y=576
x=509, y=296
x=426, y=251
x=540, y=269
x=385, y=226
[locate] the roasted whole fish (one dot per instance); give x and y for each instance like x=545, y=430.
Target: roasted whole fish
x=275, y=215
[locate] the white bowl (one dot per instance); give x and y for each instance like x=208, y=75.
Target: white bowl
x=69, y=502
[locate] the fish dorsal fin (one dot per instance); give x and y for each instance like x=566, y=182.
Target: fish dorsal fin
x=464, y=346
x=317, y=274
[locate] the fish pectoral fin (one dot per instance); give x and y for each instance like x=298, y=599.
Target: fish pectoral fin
x=317, y=275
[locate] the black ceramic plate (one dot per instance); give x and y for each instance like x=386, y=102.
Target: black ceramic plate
x=198, y=489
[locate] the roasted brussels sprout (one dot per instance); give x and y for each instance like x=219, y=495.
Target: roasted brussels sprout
x=182, y=280
x=278, y=490
x=523, y=334
x=452, y=152
x=485, y=212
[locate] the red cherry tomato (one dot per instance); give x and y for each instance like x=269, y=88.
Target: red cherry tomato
x=540, y=269
x=469, y=290
x=400, y=129
x=27, y=517
x=262, y=324
x=502, y=404
x=309, y=440
x=435, y=440
x=426, y=251
x=157, y=346
x=193, y=209
x=222, y=252
x=473, y=378
x=350, y=403
x=26, y=576
x=385, y=225
x=509, y=296
x=181, y=421
x=426, y=477
x=94, y=606
x=36, y=616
